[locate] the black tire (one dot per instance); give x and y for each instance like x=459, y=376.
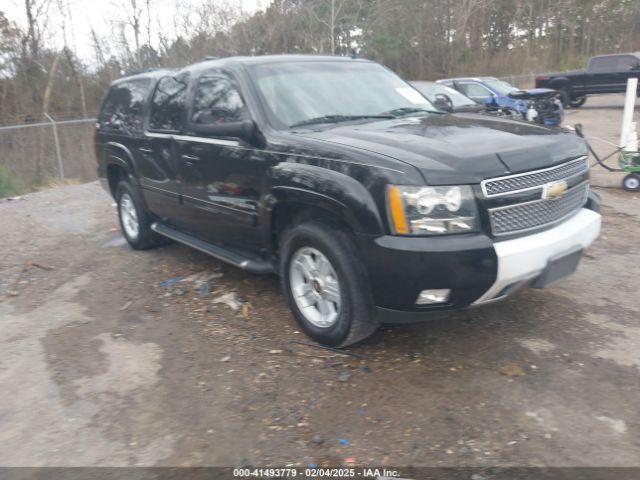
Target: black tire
x=146, y=237
x=565, y=98
x=631, y=182
x=356, y=318
x=578, y=102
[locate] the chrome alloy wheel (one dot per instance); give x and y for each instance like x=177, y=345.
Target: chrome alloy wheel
x=315, y=287
x=129, y=216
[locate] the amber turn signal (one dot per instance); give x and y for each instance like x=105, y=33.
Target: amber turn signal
x=396, y=210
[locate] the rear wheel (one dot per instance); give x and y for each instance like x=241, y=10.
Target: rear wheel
x=578, y=102
x=326, y=285
x=631, y=182
x=135, y=222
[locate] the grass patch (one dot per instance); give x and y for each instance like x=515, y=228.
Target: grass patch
x=7, y=187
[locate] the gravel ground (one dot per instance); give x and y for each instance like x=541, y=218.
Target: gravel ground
x=104, y=362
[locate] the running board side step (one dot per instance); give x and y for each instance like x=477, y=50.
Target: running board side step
x=250, y=264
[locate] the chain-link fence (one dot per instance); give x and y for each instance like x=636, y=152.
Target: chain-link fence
x=35, y=154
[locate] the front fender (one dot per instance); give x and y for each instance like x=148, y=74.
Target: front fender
x=318, y=187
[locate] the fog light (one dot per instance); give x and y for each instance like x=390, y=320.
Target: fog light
x=427, y=297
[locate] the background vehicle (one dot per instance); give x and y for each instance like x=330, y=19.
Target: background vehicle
x=446, y=98
x=538, y=104
x=336, y=174
x=604, y=74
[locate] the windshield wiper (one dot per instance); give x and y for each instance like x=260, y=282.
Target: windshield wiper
x=338, y=118
x=397, y=112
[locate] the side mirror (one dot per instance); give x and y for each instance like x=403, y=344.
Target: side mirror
x=245, y=129
x=443, y=102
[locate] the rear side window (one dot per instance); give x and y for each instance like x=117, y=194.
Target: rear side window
x=168, y=103
x=217, y=101
x=122, y=108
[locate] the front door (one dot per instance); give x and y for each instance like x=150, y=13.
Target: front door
x=627, y=67
x=221, y=178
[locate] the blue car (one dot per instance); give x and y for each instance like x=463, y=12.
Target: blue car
x=540, y=105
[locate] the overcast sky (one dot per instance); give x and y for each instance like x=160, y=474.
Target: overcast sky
x=98, y=14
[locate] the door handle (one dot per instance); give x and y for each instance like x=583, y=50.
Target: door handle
x=145, y=150
x=190, y=158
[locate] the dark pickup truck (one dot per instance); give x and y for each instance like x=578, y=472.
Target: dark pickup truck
x=604, y=74
x=334, y=173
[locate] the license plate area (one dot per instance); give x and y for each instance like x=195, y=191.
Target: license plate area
x=558, y=267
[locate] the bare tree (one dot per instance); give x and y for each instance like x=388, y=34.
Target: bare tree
x=327, y=13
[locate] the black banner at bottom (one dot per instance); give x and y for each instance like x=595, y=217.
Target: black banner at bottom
x=379, y=473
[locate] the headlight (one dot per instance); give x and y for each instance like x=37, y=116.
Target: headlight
x=431, y=210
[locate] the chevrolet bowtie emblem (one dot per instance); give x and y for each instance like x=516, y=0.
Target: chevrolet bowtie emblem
x=554, y=189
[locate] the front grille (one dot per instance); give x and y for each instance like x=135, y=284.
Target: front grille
x=527, y=216
x=534, y=179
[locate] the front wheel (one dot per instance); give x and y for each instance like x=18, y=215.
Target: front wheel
x=326, y=285
x=631, y=182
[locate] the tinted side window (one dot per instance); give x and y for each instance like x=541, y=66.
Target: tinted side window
x=217, y=100
x=122, y=108
x=168, y=103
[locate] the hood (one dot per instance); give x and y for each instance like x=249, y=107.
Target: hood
x=533, y=93
x=458, y=148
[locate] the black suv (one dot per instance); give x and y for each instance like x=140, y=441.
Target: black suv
x=334, y=173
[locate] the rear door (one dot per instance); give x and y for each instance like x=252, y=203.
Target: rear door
x=222, y=178
x=159, y=161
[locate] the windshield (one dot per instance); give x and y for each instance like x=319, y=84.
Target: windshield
x=500, y=86
x=299, y=92
x=430, y=90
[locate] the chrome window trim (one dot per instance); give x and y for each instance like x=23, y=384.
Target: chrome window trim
x=483, y=183
x=542, y=225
